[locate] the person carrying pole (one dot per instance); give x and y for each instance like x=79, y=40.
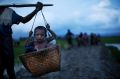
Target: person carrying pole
x=8, y=17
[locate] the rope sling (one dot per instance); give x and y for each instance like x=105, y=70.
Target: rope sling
x=45, y=21
x=43, y=61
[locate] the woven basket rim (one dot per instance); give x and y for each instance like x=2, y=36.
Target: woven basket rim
x=48, y=48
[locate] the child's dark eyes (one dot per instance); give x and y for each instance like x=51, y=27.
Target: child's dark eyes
x=40, y=34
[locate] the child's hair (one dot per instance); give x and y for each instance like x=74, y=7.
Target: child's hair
x=41, y=28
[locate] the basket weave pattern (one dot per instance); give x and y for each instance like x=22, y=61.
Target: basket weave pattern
x=41, y=62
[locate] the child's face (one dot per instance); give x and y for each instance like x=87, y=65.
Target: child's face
x=40, y=35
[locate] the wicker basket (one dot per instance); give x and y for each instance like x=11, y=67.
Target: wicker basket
x=43, y=61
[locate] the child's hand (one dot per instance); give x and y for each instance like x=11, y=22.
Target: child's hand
x=30, y=33
x=47, y=26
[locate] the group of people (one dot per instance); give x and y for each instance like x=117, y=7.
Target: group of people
x=83, y=39
x=8, y=17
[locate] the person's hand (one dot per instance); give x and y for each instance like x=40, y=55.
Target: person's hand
x=30, y=33
x=39, y=6
x=47, y=26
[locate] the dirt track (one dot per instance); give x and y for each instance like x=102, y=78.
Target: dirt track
x=92, y=62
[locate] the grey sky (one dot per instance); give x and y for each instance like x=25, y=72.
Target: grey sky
x=99, y=16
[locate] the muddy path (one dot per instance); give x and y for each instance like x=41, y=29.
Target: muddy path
x=92, y=62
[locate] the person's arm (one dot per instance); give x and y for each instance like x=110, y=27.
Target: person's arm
x=53, y=35
x=29, y=39
x=27, y=18
x=29, y=46
x=29, y=43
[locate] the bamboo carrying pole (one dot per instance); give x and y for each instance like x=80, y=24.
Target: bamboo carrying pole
x=24, y=5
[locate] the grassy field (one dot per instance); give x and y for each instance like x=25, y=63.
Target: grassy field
x=113, y=39
x=63, y=44
x=18, y=51
x=115, y=53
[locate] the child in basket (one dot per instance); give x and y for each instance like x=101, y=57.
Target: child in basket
x=40, y=39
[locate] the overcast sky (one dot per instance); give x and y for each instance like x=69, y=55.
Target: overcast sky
x=98, y=16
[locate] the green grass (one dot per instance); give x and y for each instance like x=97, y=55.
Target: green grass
x=18, y=50
x=115, y=53
x=62, y=43
x=113, y=39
